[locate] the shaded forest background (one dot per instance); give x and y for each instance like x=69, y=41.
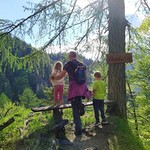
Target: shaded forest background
x=16, y=80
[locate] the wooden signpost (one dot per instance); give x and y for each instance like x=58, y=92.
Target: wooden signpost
x=119, y=58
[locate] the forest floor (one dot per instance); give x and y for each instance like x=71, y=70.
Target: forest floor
x=93, y=138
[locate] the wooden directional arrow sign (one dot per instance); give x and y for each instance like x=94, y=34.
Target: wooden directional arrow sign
x=119, y=58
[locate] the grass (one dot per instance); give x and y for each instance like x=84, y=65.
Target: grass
x=124, y=138
x=25, y=129
x=36, y=131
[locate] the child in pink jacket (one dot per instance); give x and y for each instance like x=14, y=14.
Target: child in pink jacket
x=58, y=84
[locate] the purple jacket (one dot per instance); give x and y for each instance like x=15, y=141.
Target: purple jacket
x=78, y=90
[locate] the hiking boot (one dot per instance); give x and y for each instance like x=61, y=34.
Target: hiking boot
x=104, y=122
x=82, y=110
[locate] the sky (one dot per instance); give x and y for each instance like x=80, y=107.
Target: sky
x=13, y=10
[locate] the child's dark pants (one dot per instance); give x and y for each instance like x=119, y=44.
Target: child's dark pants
x=98, y=105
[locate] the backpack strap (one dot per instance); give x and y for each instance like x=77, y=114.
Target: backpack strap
x=79, y=71
x=74, y=67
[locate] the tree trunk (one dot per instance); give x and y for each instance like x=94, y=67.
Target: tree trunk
x=116, y=72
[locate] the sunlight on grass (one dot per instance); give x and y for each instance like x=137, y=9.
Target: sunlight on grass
x=113, y=143
x=126, y=139
x=26, y=123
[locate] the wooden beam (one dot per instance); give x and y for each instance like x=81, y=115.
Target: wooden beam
x=65, y=106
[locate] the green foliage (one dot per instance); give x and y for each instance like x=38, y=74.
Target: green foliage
x=26, y=127
x=3, y=99
x=49, y=94
x=19, y=55
x=19, y=63
x=31, y=130
x=145, y=26
x=141, y=127
x=26, y=67
x=6, y=110
x=17, y=66
x=124, y=138
x=5, y=86
x=88, y=117
x=20, y=82
x=28, y=99
x=139, y=81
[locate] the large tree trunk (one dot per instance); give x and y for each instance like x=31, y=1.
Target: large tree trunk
x=116, y=72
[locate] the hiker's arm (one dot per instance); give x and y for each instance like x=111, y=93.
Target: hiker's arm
x=61, y=75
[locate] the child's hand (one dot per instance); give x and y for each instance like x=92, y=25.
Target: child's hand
x=52, y=77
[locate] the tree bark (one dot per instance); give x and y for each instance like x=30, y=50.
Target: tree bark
x=116, y=42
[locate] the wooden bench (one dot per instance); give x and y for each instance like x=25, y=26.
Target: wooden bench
x=57, y=114
x=65, y=106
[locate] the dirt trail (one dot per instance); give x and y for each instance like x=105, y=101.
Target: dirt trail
x=94, y=138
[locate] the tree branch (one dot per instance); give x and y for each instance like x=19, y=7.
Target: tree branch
x=7, y=123
x=84, y=35
x=62, y=29
x=24, y=20
x=146, y=4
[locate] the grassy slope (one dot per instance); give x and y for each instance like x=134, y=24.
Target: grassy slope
x=31, y=131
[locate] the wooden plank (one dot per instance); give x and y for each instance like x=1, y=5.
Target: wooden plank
x=65, y=106
x=118, y=58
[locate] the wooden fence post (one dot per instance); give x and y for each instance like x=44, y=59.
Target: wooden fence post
x=59, y=123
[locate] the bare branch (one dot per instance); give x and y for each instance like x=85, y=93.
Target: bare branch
x=147, y=5
x=86, y=33
x=24, y=20
x=62, y=29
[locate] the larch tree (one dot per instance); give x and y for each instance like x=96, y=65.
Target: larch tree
x=116, y=72
x=89, y=29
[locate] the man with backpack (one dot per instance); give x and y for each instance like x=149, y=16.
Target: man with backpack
x=77, y=89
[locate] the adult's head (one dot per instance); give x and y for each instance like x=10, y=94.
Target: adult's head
x=72, y=55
